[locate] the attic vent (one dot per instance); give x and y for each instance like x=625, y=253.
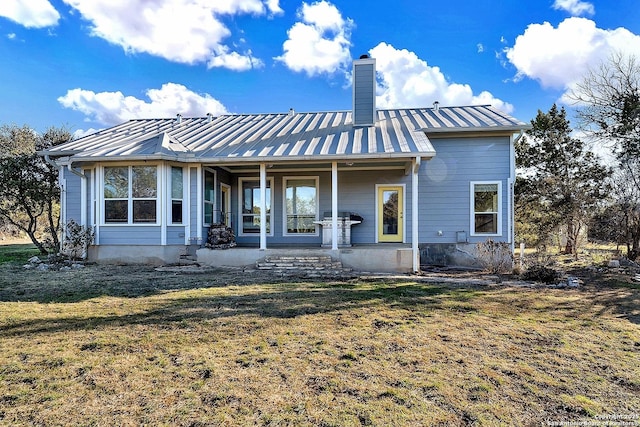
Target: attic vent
x=436, y=106
x=209, y=117
x=178, y=118
x=292, y=112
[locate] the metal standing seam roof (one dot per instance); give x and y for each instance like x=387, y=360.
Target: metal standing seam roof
x=269, y=137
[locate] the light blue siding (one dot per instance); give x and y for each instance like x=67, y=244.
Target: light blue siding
x=193, y=203
x=175, y=235
x=73, y=193
x=130, y=235
x=444, y=199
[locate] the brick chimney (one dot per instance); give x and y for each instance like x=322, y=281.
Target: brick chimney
x=364, y=91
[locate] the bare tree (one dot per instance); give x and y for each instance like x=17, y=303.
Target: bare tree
x=608, y=100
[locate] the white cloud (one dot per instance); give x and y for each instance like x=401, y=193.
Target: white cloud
x=408, y=81
x=320, y=42
x=575, y=7
x=558, y=57
x=110, y=108
x=185, y=31
x=234, y=61
x=31, y=14
x=480, y=47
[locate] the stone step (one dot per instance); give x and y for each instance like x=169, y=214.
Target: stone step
x=302, y=263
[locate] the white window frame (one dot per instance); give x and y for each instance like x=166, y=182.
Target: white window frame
x=130, y=198
x=284, y=205
x=472, y=223
x=170, y=194
x=204, y=198
x=270, y=184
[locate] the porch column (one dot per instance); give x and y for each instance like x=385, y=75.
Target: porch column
x=263, y=206
x=414, y=214
x=334, y=206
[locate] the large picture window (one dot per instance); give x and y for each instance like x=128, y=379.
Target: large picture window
x=300, y=205
x=485, y=204
x=130, y=194
x=250, y=205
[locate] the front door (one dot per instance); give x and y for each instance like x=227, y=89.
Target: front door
x=390, y=213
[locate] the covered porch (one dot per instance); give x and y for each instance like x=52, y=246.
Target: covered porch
x=388, y=241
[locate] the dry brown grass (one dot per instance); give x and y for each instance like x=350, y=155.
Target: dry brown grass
x=133, y=346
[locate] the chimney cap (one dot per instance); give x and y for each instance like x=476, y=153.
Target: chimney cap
x=364, y=56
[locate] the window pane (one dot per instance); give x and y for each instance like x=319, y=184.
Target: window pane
x=116, y=210
x=144, y=211
x=144, y=181
x=251, y=197
x=486, y=198
x=486, y=223
x=251, y=206
x=116, y=182
x=300, y=198
x=390, y=212
x=251, y=224
x=209, y=186
x=208, y=213
x=176, y=211
x=176, y=183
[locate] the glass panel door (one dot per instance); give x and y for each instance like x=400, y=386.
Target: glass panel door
x=390, y=214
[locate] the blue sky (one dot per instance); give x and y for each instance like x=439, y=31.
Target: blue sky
x=91, y=64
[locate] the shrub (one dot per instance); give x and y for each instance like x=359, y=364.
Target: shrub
x=495, y=257
x=541, y=273
x=77, y=239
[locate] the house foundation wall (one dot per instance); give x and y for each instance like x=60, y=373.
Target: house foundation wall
x=448, y=255
x=378, y=259
x=132, y=254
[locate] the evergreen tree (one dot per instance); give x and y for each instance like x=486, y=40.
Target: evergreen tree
x=561, y=182
x=29, y=190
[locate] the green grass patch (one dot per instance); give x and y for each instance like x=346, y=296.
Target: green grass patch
x=17, y=253
x=134, y=346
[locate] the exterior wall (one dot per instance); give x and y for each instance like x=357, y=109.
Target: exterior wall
x=444, y=204
x=130, y=234
x=357, y=193
x=175, y=235
x=73, y=191
x=193, y=202
x=445, y=199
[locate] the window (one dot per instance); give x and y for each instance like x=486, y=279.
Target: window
x=130, y=194
x=300, y=205
x=209, y=196
x=177, y=193
x=250, y=205
x=486, y=203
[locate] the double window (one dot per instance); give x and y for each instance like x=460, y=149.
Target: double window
x=300, y=205
x=130, y=194
x=486, y=202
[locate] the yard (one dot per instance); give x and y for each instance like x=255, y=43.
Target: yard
x=135, y=346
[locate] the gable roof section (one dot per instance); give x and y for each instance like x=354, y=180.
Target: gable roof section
x=398, y=133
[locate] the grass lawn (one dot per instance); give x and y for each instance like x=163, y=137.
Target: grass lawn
x=134, y=346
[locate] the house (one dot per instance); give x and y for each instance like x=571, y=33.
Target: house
x=427, y=184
